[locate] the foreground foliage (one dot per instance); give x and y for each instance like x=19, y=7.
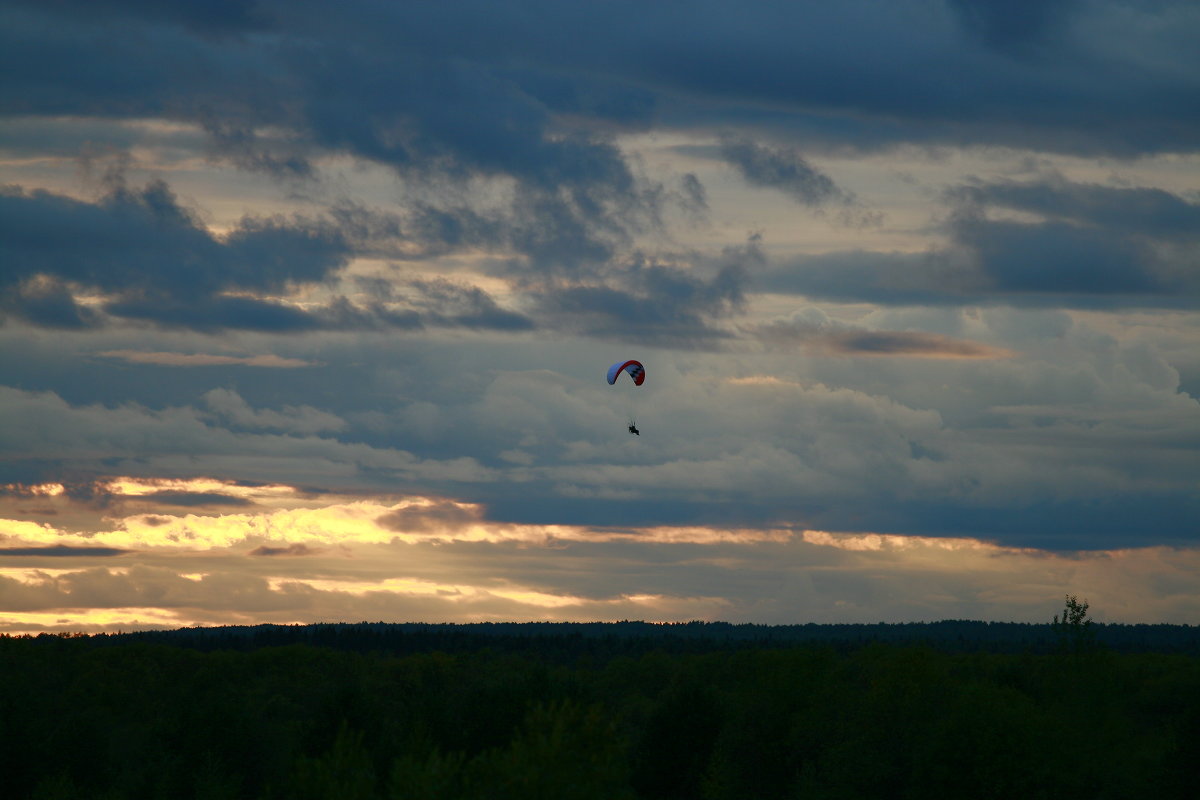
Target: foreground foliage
x=131, y=719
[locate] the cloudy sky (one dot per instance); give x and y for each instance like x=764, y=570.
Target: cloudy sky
x=305, y=311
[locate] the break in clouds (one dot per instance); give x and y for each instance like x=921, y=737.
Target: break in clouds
x=919, y=270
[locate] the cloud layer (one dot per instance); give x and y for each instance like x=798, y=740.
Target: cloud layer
x=431, y=559
x=283, y=291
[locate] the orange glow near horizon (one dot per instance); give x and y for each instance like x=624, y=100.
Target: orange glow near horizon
x=135, y=487
x=36, y=490
x=293, y=557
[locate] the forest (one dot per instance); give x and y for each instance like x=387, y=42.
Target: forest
x=620, y=710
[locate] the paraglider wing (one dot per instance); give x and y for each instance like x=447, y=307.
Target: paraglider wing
x=634, y=368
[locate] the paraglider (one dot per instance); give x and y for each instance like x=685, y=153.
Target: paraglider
x=634, y=368
x=637, y=373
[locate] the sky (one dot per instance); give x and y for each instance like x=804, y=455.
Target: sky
x=306, y=310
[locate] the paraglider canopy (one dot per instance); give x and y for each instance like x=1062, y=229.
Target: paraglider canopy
x=634, y=368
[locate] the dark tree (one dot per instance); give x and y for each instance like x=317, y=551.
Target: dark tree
x=1074, y=630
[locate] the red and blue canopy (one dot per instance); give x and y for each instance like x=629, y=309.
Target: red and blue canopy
x=634, y=368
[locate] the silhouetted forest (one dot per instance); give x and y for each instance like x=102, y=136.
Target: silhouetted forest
x=624, y=710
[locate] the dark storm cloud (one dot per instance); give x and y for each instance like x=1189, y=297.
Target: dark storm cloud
x=908, y=343
x=783, y=169
x=695, y=196
x=1087, y=239
x=128, y=66
x=155, y=262
x=714, y=451
x=651, y=302
x=190, y=499
x=154, y=258
x=500, y=123
x=539, y=234
x=825, y=336
x=564, y=267
x=450, y=93
x=1139, y=211
x=872, y=74
x=242, y=145
x=209, y=16
x=48, y=303
x=454, y=228
x=62, y=551
x=194, y=360
x=88, y=139
x=297, y=549
x=1079, y=245
x=98, y=495
x=1094, y=523
x=462, y=306
x=1128, y=519
x=1059, y=259
x=214, y=313
x=867, y=276
x=427, y=518
x=1014, y=24
x=471, y=86
x=416, y=305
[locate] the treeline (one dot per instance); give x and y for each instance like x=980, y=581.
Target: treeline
x=139, y=716
x=569, y=640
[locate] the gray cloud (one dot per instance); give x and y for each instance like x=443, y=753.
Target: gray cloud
x=172, y=359
x=420, y=88
x=695, y=196
x=540, y=233
x=1059, y=259
x=1136, y=211
x=783, y=169
x=211, y=18
x=532, y=431
x=93, y=139
x=444, y=302
x=216, y=313
x=483, y=213
x=1089, y=246
x=1014, y=26
x=1091, y=240
x=658, y=303
x=928, y=278
x=249, y=151
x=825, y=336
x=424, y=518
x=229, y=407
x=61, y=551
x=494, y=100
x=290, y=550
x=154, y=259
x=190, y=499
x=910, y=343
x=47, y=302
x=155, y=262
